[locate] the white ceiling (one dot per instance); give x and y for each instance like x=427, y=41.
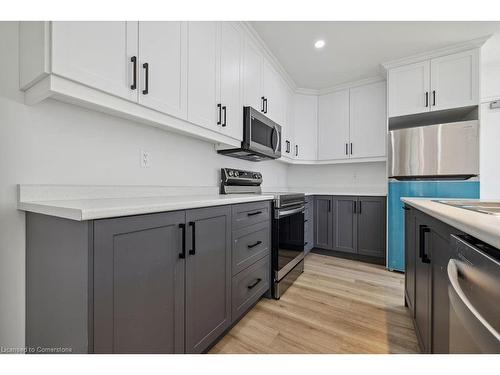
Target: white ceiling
x=355, y=50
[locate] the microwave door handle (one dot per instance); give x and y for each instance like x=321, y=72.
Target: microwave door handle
x=276, y=132
x=452, y=271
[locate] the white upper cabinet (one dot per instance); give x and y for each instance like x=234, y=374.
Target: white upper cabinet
x=455, y=80
x=231, y=79
x=273, y=94
x=333, y=128
x=287, y=129
x=368, y=121
x=445, y=82
x=96, y=54
x=203, y=77
x=408, y=89
x=252, y=77
x=162, y=66
x=306, y=127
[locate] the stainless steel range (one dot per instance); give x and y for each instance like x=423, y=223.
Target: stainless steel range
x=287, y=249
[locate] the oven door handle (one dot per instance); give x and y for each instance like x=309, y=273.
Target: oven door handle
x=283, y=213
x=452, y=270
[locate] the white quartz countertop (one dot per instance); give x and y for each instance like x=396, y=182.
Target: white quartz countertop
x=99, y=208
x=349, y=193
x=482, y=226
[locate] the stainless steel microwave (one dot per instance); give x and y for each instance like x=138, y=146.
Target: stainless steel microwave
x=261, y=138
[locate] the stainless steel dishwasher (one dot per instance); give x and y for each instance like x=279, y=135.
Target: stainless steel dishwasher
x=474, y=292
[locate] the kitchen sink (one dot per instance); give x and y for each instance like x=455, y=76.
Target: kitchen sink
x=485, y=207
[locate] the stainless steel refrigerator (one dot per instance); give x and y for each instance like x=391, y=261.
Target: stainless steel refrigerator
x=434, y=161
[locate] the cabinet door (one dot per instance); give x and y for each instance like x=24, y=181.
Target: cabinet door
x=273, y=93
x=252, y=77
x=163, y=46
x=139, y=284
x=208, y=276
x=306, y=127
x=231, y=79
x=368, y=121
x=344, y=224
x=323, y=222
x=422, y=287
x=408, y=88
x=97, y=54
x=287, y=135
x=333, y=128
x=371, y=226
x=203, y=76
x=455, y=80
x=440, y=306
x=410, y=258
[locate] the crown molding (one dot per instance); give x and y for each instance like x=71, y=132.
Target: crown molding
x=455, y=48
x=252, y=33
x=304, y=91
x=351, y=84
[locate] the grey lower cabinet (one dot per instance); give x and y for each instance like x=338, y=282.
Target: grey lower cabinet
x=309, y=224
x=138, y=291
x=208, y=276
x=154, y=283
x=427, y=253
x=323, y=222
x=351, y=224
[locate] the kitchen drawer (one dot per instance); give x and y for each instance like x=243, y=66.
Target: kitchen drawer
x=248, y=214
x=249, y=285
x=250, y=244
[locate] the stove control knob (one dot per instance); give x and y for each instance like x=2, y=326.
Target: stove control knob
x=236, y=173
x=230, y=173
x=255, y=175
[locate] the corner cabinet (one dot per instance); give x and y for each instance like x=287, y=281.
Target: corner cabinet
x=154, y=283
x=444, y=82
x=351, y=225
x=181, y=76
x=352, y=123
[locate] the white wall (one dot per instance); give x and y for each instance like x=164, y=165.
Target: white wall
x=56, y=143
x=490, y=119
x=364, y=178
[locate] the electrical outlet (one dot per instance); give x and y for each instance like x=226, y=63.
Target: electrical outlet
x=145, y=159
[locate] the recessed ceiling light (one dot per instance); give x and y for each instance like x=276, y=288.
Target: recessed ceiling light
x=319, y=44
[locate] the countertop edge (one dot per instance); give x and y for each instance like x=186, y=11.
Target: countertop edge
x=484, y=227
x=84, y=214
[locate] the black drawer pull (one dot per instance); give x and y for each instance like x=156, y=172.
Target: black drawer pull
x=193, y=245
x=254, y=213
x=423, y=229
x=133, y=59
x=254, y=284
x=255, y=244
x=182, y=255
x=146, y=78
x=306, y=220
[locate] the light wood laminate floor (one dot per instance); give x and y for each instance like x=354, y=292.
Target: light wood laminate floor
x=335, y=306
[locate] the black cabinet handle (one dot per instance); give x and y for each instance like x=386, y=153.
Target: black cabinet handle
x=254, y=284
x=225, y=116
x=296, y=150
x=306, y=220
x=287, y=147
x=219, y=118
x=133, y=59
x=255, y=244
x=359, y=207
x=434, y=97
x=346, y=149
x=423, y=229
x=262, y=100
x=146, y=78
x=351, y=148
x=305, y=243
x=426, y=98
x=182, y=255
x=354, y=206
x=329, y=206
x=265, y=103
x=193, y=237
x=254, y=213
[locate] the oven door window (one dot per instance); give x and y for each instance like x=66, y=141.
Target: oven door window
x=291, y=240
